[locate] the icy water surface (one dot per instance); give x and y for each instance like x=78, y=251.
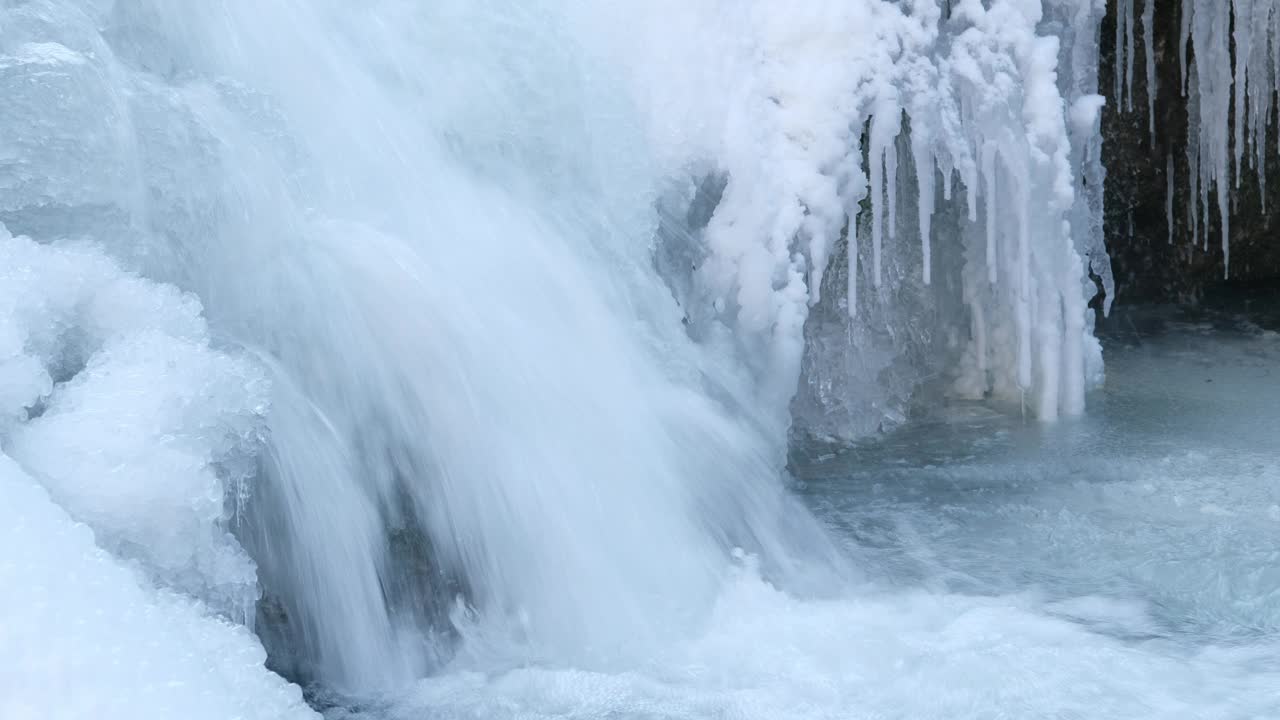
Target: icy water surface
x=1126, y=565
x=1161, y=506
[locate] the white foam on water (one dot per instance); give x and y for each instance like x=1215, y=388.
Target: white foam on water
x=765, y=654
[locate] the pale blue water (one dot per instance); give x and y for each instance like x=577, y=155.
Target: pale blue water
x=1164, y=500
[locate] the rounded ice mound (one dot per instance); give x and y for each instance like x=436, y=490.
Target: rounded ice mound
x=111, y=396
x=83, y=637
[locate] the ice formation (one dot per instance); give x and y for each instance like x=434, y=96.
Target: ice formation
x=974, y=98
x=1229, y=56
x=85, y=636
x=112, y=399
x=115, y=400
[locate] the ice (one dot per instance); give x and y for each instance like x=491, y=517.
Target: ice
x=1168, y=196
x=1230, y=74
x=1124, y=45
x=981, y=99
x=114, y=406
x=1149, y=61
x=86, y=636
x=129, y=418
x=65, y=161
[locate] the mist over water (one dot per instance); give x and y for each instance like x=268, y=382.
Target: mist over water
x=438, y=357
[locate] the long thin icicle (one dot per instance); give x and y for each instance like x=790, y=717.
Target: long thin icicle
x=922, y=158
x=1123, y=75
x=852, y=286
x=1128, y=53
x=989, y=177
x=1148, y=47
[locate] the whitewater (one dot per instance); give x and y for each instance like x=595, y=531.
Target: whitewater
x=474, y=358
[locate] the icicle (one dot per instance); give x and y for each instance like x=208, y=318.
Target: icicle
x=989, y=176
x=1204, y=221
x=891, y=185
x=1193, y=162
x=1184, y=39
x=1025, y=283
x=853, y=263
x=1225, y=216
x=882, y=138
x=1168, y=196
x=923, y=159
x=1261, y=86
x=1148, y=46
x=1193, y=213
x=1243, y=35
x=1275, y=61
x=877, y=211
x=1128, y=54
x=1210, y=108
x=1265, y=94
x=1124, y=9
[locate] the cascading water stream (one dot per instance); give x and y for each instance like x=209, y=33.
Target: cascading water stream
x=448, y=358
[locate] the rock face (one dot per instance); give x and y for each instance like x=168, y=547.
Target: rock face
x=1151, y=261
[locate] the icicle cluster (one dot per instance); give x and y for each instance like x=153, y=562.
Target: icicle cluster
x=973, y=94
x=1229, y=53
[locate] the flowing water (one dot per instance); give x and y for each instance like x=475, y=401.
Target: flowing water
x=1119, y=566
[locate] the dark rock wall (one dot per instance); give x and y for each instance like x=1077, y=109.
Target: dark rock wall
x=1147, y=266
